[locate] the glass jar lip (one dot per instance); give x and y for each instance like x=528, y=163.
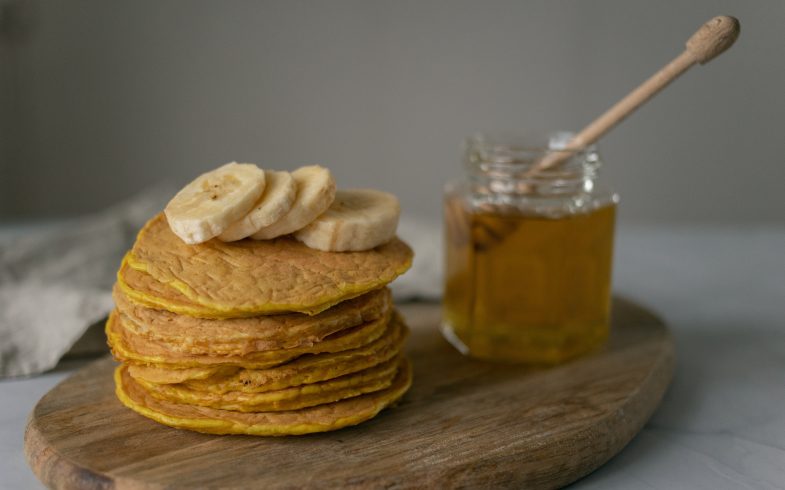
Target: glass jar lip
x=523, y=146
x=516, y=155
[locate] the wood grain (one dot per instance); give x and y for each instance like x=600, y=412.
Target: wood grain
x=464, y=424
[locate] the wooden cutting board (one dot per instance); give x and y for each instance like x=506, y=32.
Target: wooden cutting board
x=463, y=424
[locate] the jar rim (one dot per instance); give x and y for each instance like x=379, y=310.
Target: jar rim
x=515, y=154
x=524, y=145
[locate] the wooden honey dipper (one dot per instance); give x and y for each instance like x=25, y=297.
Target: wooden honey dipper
x=708, y=42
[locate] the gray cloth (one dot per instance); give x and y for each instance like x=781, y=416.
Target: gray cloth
x=55, y=281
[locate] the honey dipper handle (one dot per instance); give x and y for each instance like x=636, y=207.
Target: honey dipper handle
x=713, y=38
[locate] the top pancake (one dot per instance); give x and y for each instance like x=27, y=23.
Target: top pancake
x=252, y=277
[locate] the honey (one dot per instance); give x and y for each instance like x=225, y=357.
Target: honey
x=528, y=255
x=527, y=288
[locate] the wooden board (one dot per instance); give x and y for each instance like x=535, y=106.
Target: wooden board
x=463, y=424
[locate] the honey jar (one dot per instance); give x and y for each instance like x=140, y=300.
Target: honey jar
x=528, y=251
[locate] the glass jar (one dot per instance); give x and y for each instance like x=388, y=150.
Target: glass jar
x=528, y=253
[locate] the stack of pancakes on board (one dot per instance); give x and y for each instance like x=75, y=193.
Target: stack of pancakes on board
x=257, y=337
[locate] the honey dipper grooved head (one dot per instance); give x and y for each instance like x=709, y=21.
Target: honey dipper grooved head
x=713, y=38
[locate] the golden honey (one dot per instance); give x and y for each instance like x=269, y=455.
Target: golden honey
x=528, y=261
x=527, y=288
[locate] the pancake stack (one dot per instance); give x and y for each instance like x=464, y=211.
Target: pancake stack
x=260, y=337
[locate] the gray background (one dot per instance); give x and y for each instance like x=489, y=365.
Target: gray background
x=101, y=99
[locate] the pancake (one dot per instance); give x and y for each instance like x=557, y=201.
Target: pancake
x=163, y=374
x=369, y=380
x=129, y=347
x=263, y=276
x=320, y=418
x=241, y=336
x=303, y=370
x=143, y=289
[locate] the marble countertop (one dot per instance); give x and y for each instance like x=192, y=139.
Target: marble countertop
x=720, y=426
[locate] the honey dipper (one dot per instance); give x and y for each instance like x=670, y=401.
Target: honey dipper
x=708, y=42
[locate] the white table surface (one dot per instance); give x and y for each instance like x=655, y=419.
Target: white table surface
x=722, y=422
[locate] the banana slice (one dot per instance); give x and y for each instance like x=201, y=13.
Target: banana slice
x=213, y=201
x=276, y=200
x=315, y=193
x=358, y=219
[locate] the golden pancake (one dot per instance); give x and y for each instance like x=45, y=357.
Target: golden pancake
x=163, y=374
x=241, y=336
x=305, y=369
x=369, y=380
x=263, y=276
x=143, y=289
x=320, y=418
x=127, y=346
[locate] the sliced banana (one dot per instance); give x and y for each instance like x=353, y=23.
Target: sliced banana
x=213, y=201
x=276, y=200
x=315, y=193
x=358, y=219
